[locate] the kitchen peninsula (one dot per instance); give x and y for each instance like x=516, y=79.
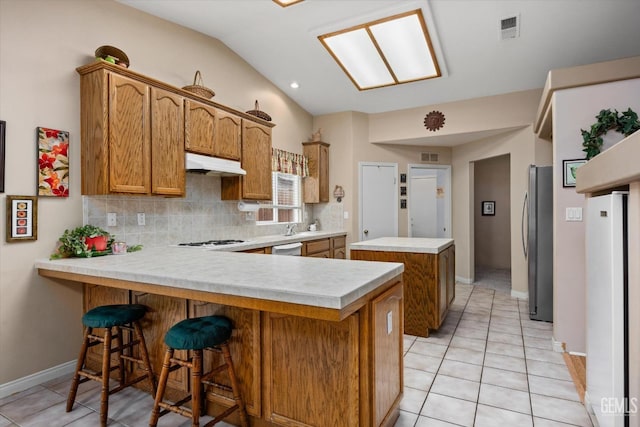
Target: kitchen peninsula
x=317, y=342
x=429, y=276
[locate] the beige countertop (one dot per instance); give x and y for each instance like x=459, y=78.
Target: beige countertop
x=274, y=240
x=403, y=244
x=318, y=282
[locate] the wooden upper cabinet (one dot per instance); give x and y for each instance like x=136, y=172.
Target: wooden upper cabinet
x=167, y=143
x=256, y=160
x=316, y=185
x=228, y=136
x=211, y=131
x=132, y=137
x=129, y=136
x=200, y=122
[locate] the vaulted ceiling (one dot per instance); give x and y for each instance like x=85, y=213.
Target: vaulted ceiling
x=282, y=44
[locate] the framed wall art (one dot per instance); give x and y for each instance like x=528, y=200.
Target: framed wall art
x=22, y=218
x=3, y=127
x=569, y=168
x=53, y=162
x=488, y=208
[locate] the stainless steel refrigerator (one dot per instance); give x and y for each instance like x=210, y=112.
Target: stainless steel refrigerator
x=537, y=241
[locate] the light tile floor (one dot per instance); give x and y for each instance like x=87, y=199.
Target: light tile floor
x=488, y=365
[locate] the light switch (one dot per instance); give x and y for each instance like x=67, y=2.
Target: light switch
x=389, y=322
x=573, y=214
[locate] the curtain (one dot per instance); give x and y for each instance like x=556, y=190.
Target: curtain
x=287, y=162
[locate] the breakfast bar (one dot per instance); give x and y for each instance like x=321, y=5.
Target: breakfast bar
x=317, y=342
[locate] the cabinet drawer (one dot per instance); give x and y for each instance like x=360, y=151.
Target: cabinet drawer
x=339, y=242
x=316, y=246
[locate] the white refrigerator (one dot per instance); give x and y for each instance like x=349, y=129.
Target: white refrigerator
x=607, y=341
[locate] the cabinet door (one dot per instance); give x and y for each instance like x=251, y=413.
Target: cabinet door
x=311, y=371
x=256, y=160
x=129, y=136
x=200, y=122
x=388, y=348
x=451, y=275
x=323, y=168
x=245, y=352
x=228, y=136
x=167, y=148
x=443, y=268
x=163, y=313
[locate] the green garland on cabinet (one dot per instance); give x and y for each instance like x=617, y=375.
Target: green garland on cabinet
x=625, y=123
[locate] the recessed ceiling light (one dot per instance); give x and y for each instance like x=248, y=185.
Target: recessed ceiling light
x=285, y=3
x=294, y=85
x=385, y=52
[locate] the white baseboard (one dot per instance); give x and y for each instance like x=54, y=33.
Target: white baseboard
x=558, y=346
x=519, y=294
x=464, y=280
x=29, y=381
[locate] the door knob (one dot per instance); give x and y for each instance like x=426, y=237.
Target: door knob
x=366, y=231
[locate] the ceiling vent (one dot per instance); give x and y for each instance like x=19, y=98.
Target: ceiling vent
x=430, y=157
x=510, y=27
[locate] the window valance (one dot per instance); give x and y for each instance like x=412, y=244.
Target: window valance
x=287, y=162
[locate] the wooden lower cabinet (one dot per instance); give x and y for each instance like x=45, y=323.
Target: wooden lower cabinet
x=320, y=248
x=311, y=371
x=293, y=370
x=245, y=352
x=429, y=285
x=339, y=247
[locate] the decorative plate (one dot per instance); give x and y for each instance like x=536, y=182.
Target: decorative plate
x=434, y=121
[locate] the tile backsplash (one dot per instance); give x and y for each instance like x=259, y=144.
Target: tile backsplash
x=201, y=215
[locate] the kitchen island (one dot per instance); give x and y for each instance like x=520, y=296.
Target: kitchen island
x=429, y=276
x=317, y=342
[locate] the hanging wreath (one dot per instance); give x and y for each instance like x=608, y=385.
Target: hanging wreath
x=625, y=123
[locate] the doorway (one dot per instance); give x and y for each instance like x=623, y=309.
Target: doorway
x=378, y=201
x=492, y=223
x=429, y=198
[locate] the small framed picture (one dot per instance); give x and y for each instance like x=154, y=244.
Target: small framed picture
x=403, y=190
x=569, y=168
x=488, y=208
x=403, y=203
x=22, y=218
x=403, y=178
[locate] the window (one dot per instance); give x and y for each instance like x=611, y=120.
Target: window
x=286, y=205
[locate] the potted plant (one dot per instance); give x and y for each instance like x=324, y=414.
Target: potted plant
x=83, y=241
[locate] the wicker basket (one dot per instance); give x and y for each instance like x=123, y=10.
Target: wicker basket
x=198, y=88
x=121, y=58
x=260, y=114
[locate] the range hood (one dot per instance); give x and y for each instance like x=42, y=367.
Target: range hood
x=212, y=165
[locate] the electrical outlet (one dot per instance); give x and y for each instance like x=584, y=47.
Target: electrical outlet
x=389, y=322
x=112, y=219
x=141, y=218
x=346, y=215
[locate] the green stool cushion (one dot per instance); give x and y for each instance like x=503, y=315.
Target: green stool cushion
x=106, y=316
x=199, y=333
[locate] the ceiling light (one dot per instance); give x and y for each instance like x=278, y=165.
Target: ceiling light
x=385, y=52
x=285, y=3
x=294, y=85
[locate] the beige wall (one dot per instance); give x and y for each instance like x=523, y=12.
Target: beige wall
x=492, y=234
x=575, y=109
x=41, y=44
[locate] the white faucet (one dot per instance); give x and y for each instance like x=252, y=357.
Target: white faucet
x=290, y=230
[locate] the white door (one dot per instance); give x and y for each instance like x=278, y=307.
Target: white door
x=423, y=213
x=429, y=208
x=378, y=200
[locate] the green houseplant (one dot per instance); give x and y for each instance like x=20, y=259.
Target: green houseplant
x=83, y=241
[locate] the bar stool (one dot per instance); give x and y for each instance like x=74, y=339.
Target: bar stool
x=122, y=317
x=201, y=333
